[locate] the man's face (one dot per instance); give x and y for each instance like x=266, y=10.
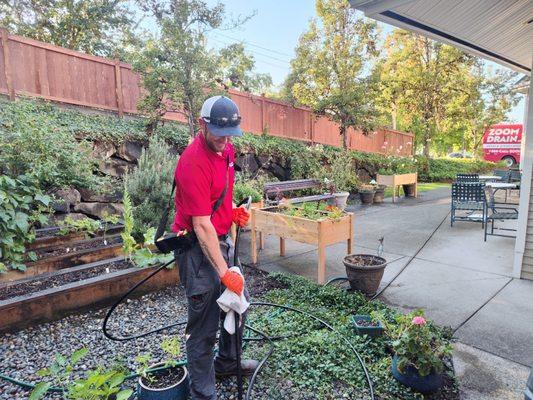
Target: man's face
x=215, y=143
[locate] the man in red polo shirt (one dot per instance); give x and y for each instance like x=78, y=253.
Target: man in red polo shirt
x=204, y=185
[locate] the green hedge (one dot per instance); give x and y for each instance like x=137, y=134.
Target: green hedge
x=445, y=169
x=83, y=125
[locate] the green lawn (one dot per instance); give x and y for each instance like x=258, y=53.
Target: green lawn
x=422, y=187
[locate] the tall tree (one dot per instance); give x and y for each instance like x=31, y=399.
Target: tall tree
x=92, y=26
x=419, y=80
x=328, y=73
x=177, y=69
x=237, y=70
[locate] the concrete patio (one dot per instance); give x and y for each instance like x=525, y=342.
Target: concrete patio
x=457, y=278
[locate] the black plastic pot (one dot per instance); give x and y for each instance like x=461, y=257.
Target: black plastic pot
x=177, y=391
x=364, y=272
x=371, y=331
x=366, y=196
x=379, y=196
x=411, y=378
x=409, y=190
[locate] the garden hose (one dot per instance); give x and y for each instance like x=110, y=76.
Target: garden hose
x=245, y=339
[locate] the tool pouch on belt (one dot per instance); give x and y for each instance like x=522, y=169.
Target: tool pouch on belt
x=183, y=240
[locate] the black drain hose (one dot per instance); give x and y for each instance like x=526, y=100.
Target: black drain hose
x=264, y=336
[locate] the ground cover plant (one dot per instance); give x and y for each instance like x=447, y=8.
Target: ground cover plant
x=315, y=361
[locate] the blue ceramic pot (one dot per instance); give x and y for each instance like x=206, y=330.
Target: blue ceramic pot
x=411, y=378
x=178, y=391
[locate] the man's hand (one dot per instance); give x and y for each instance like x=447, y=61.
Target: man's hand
x=233, y=281
x=240, y=216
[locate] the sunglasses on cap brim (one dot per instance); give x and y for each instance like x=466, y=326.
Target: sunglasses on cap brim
x=222, y=122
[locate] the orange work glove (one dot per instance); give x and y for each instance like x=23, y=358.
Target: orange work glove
x=233, y=281
x=240, y=216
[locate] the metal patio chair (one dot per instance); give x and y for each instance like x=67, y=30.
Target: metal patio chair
x=494, y=211
x=468, y=202
x=467, y=178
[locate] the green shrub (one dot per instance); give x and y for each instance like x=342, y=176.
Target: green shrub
x=35, y=146
x=242, y=190
x=22, y=205
x=149, y=186
x=445, y=169
x=77, y=124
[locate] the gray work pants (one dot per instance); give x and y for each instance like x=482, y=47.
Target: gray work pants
x=203, y=288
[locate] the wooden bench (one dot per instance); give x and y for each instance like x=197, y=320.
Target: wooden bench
x=278, y=188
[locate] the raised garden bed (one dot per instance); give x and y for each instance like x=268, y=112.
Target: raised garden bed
x=95, y=252
x=396, y=180
x=321, y=232
x=48, y=237
x=72, y=295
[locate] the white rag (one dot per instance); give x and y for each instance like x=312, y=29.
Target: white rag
x=231, y=303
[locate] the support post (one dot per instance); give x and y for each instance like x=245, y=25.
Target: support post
x=254, y=239
x=7, y=63
x=118, y=89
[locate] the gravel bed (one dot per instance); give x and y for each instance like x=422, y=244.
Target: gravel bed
x=52, y=281
x=25, y=352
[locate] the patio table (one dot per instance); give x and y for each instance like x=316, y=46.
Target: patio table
x=489, y=178
x=503, y=185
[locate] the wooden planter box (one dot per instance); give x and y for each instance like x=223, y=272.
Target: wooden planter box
x=320, y=233
x=72, y=298
x=396, y=180
x=50, y=264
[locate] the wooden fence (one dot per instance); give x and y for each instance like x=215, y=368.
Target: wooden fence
x=32, y=68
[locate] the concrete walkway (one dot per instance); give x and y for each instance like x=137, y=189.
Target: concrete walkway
x=457, y=278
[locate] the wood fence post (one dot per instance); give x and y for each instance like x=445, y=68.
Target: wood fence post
x=311, y=127
x=263, y=112
x=118, y=89
x=7, y=64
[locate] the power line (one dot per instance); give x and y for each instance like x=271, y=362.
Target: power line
x=285, y=66
x=254, y=51
x=256, y=45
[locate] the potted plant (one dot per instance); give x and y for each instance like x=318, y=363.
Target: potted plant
x=164, y=380
x=419, y=351
x=366, y=193
x=379, y=194
x=366, y=325
x=364, y=272
x=340, y=199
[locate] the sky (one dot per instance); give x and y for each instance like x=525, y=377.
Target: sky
x=271, y=35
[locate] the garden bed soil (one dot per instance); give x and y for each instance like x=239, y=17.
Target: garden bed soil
x=60, y=278
x=364, y=261
x=61, y=249
x=163, y=379
x=362, y=322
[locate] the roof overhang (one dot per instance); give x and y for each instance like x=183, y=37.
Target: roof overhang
x=499, y=30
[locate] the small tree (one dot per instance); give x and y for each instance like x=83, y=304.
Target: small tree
x=328, y=71
x=177, y=69
x=149, y=186
x=236, y=69
x=93, y=26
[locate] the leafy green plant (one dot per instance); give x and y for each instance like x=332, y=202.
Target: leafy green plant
x=416, y=343
x=22, y=206
x=312, y=210
x=98, y=384
x=128, y=242
x=243, y=189
x=87, y=225
x=172, y=350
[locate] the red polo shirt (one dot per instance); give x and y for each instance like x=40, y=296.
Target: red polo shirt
x=200, y=178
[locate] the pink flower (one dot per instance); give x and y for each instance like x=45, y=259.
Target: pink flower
x=418, y=321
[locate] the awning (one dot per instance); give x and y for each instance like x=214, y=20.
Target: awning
x=499, y=30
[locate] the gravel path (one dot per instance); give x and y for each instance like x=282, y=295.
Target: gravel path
x=25, y=352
